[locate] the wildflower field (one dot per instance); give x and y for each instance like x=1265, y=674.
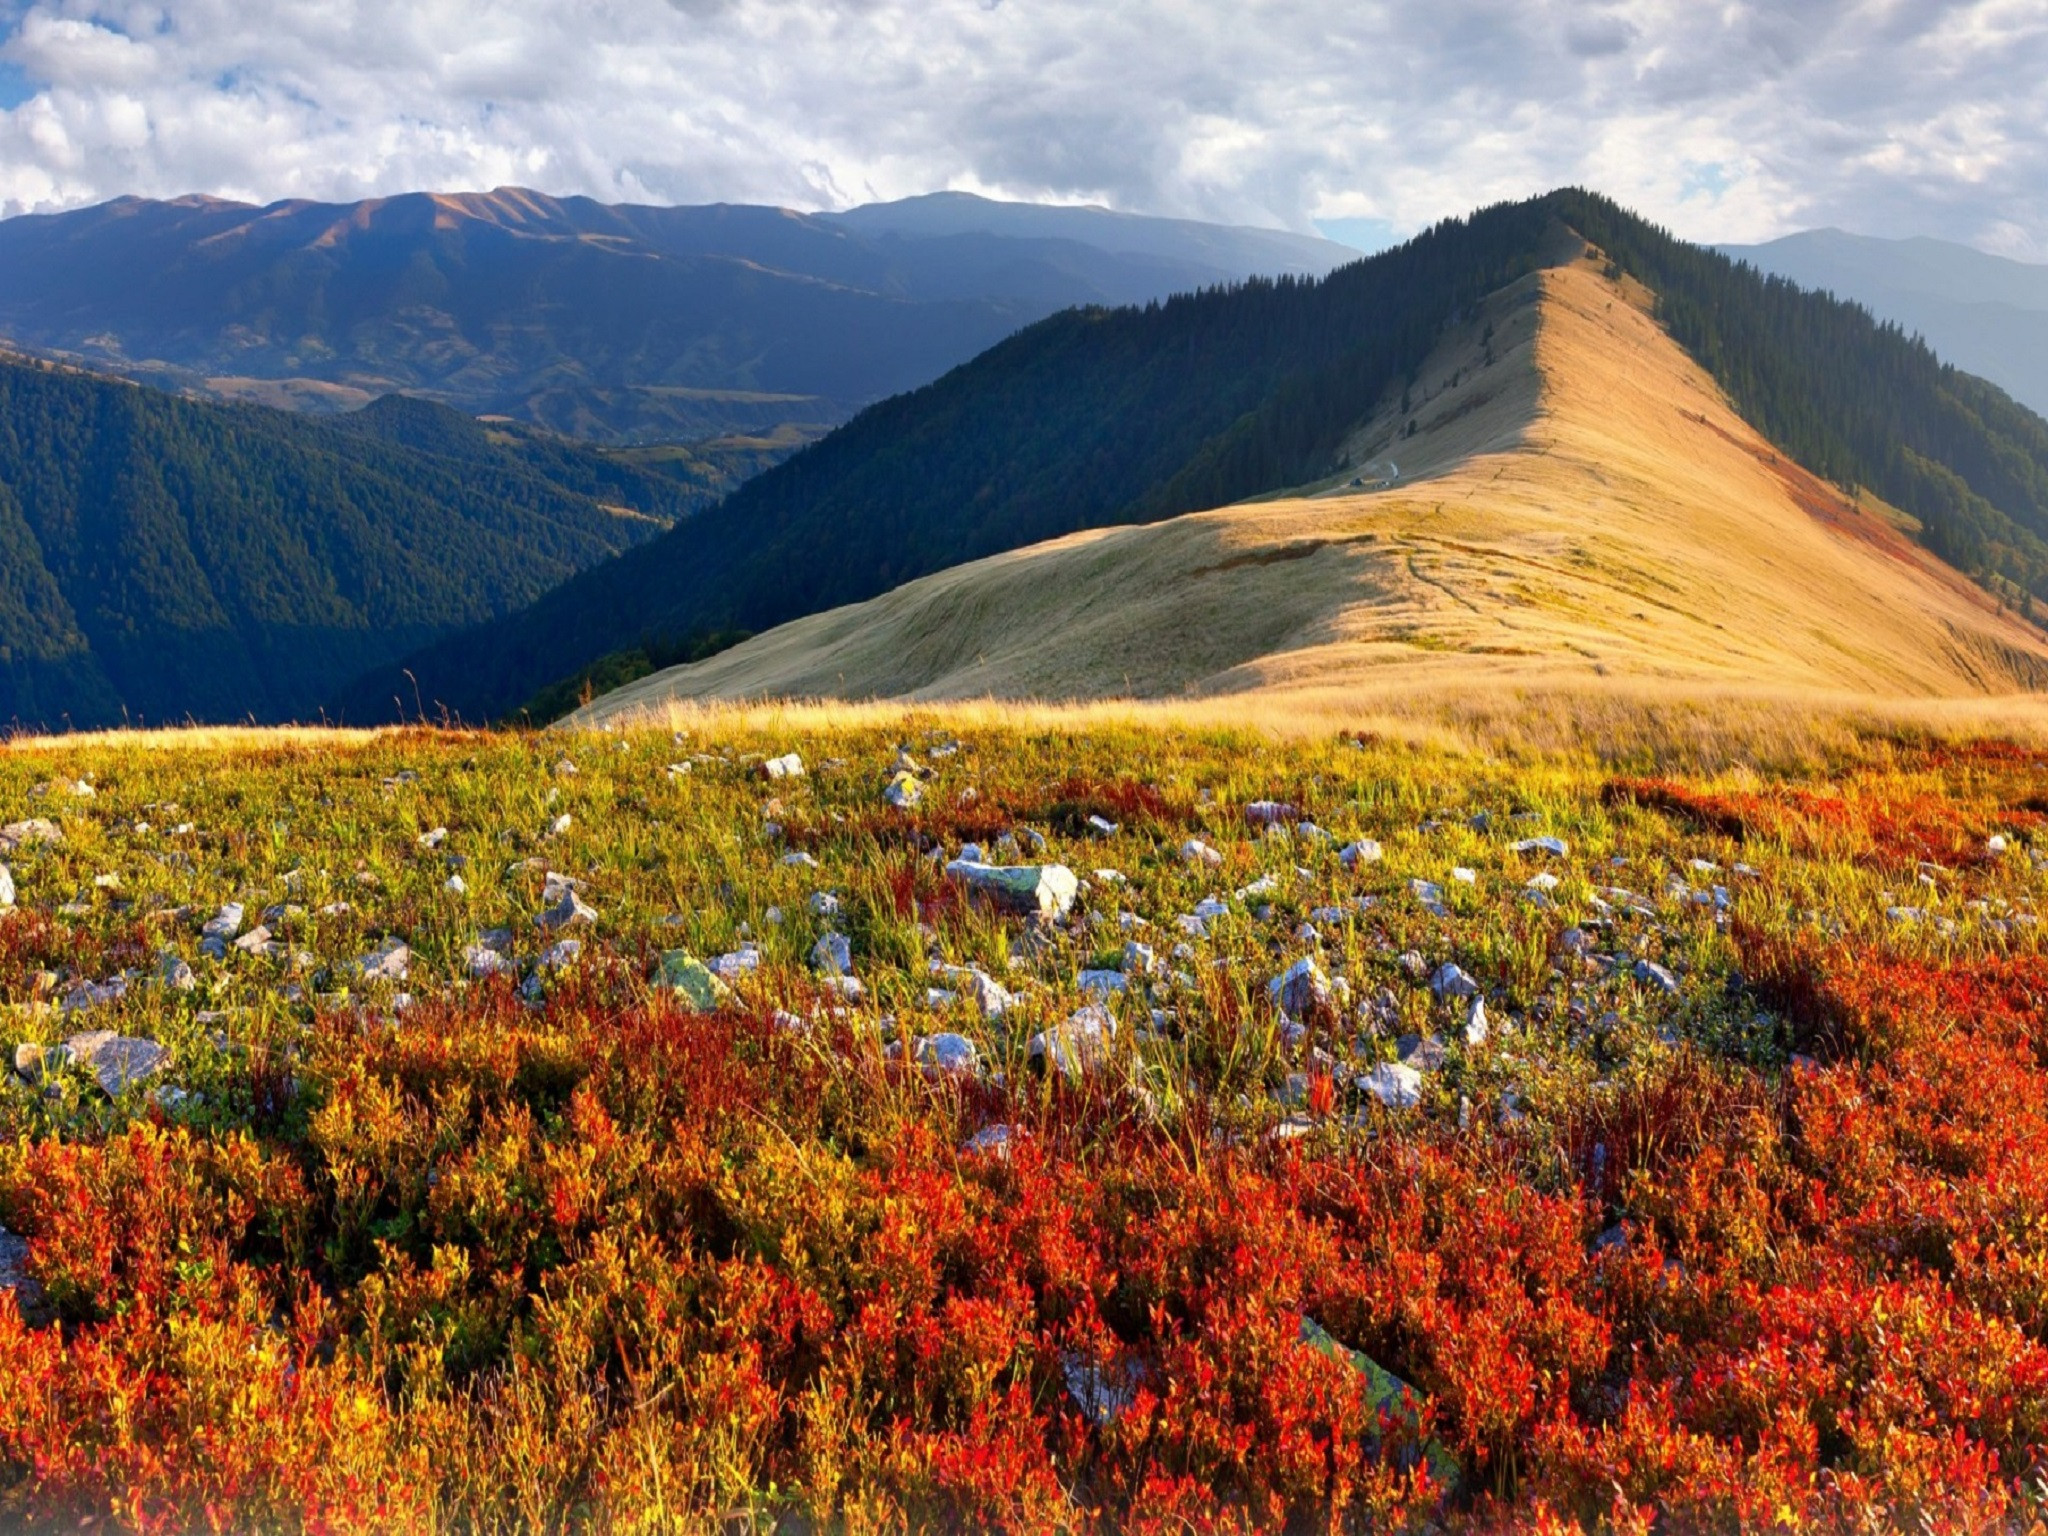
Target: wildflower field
x=865, y=1128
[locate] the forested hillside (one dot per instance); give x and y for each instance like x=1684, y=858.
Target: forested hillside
x=1095, y=417
x=163, y=559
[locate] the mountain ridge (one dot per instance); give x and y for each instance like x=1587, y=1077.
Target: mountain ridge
x=1098, y=418
x=1580, y=502
x=627, y=322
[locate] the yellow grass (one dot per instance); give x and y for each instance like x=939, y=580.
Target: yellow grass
x=1581, y=538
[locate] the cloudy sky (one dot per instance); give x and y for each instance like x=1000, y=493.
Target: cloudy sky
x=1727, y=121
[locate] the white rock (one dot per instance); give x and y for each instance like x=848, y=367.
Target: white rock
x=1452, y=980
x=1030, y=890
x=224, y=924
x=1555, y=846
x=1394, y=1085
x=1302, y=990
x=948, y=1052
x=1475, y=1022
x=823, y=904
x=1364, y=851
x=788, y=766
x=480, y=960
x=736, y=963
x=1195, y=851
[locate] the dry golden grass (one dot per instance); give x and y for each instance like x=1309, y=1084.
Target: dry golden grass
x=223, y=738
x=1582, y=537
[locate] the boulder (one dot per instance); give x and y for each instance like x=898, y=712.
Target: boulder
x=114, y=1060
x=1024, y=890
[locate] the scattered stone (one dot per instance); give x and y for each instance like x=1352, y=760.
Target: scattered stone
x=481, y=960
x=788, y=766
x=1028, y=890
x=1556, y=847
x=1271, y=813
x=990, y=1141
x=255, y=942
x=1302, y=991
x=6, y=886
x=948, y=1052
x=1475, y=1022
x=1394, y=1085
x=561, y=954
x=14, y=1276
x=1364, y=851
x=833, y=955
x=225, y=924
x=1102, y=826
x=904, y=791
x=823, y=904
x=1138, y=959
x=1465, y=876
x=17, y=835
x=1452, y=980
x=1195, y=851
x=1077, y=1043
x=1651, y=974
x=389, y=961
x=1425, y=1053
x=730, y=967
x=174, y=973
x=435, y=838
x=96, y=994
x=689, y=979
x=568, y=911
x=115, y=1061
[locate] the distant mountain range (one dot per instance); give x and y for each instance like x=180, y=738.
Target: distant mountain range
x=164, y=559
x=615, y=324
x=1096, y=418
x=1983, y=313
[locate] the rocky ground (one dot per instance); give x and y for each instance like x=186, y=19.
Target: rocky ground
x=1132, y=1129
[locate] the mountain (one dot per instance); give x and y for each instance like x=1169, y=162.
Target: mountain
x=612, y=323
x=1095, y=418
x=164, y=559
x=1579, y=502
x=1983, y=313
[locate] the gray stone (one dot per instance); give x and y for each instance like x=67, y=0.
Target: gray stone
x=389, y=961
x=832, y=955
x=481, y=960
x=173, y=972
x=1394, y=1085
x=788, y=766
x=567, y=912
x=6, y=886
x=1025, y=890
x=17, y=835
x=14, y=1276
x=1555, y=846
x=114, y=1060
x=1271, y=813
x=1302, y=991
x=1195, y=851
x=903, y=791
x=990, y=1141
x=1364, y=851
x=1651, y=974
x=1452, y=981
x=224, y=924
x=733, y=965
x=948, y=1052
x=1075, y=1044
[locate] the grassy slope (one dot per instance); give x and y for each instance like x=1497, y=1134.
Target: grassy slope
x=1588, y=507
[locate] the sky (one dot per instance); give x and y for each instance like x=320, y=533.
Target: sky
x=1367, y=119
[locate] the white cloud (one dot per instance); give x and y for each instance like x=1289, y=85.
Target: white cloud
x=1735, y=120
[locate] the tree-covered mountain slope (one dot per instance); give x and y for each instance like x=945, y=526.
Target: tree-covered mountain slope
x=164, y=559
x=1579, y=509
x=614, y=323
x=1094, y=418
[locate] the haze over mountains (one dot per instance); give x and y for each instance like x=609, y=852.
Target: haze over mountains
x=608, y=323
x=1985, y=314
x=1094, y=419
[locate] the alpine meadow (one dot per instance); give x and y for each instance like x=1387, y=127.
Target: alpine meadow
x=991, y=768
